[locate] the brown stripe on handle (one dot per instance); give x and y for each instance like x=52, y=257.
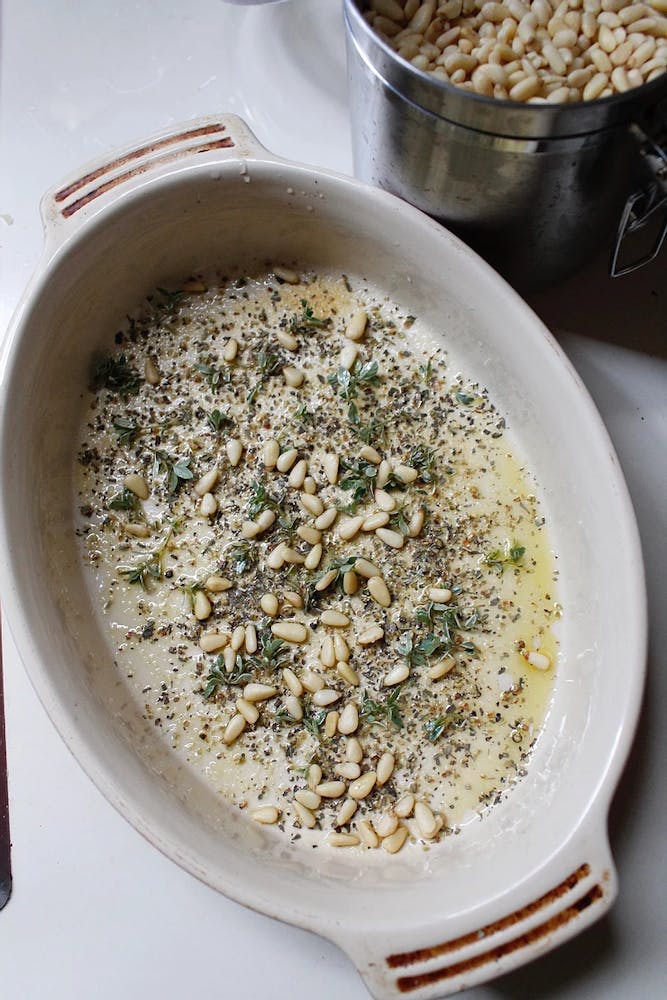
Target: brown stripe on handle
x=5, y=858
x=159, y=161
x=136, y=154
x=407, y=984
x=423, y=954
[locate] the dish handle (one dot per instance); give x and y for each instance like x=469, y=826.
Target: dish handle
x=427, y=963
x=213, y=138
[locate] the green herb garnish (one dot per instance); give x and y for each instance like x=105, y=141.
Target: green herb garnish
x=218, y=677
x=126, y=500
x=358, y=477
x=267, y=364
x=217, y=420
x=214, y=376
x=177, y=470
x=510, y=555
x=348, y=384
x=384, y=712
x=126, y=428
x=115, y=374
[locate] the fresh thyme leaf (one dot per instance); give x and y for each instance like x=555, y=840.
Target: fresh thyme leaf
x=217, y=420
x=218, y=678
x=509, y=554
x=419, y=654
x=423, y=459
x=267, y=364
x=398, y=523
x=214, y=376
x=176, y=470
x=426, y=371
x=115, y=374
x=465, y=398
x=384, y=712
x=271, y=653
x=307, y=319
x=126, y=500
x=314, y=719
x=450, y=620
x=435, y=728
x=126, y=428
x=349, y=383
x=358, y=477
x=261, y=499
x=304, y=416
x=243, y=556
x=374, y=432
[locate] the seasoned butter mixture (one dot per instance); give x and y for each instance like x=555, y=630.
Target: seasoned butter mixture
x=324, y=576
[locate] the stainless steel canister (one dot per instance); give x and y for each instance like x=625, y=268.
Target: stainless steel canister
x=536, y=189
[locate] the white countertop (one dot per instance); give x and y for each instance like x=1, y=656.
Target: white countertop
x=96, y=911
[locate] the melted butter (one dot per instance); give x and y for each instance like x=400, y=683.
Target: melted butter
x=482, y=504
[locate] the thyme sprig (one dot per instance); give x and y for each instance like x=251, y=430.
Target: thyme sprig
x=307, y=320
x=357, y=476
x=176, y=470
x=435, y=728
x=447, y=621
x=127, y=430
x=149, y=569
x=242, y=555
x=511, y=554
x=267, y=364
x=114, y=373
x=214, y=376
x=218, y=677
x=349, y=383
x=125, y=500
x=218, y=421
x=383, y=712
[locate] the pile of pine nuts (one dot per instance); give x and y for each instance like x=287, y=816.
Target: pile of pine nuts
x=537, y=51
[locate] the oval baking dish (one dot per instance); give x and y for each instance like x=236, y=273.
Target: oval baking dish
x=537, y=868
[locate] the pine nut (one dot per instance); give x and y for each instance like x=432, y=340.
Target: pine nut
x=370, y=454
x=287, y=275
x=346, y=812
x=426, y=821
x=250, y=639
x=439, y=595
x=229, y=657
x=325, y=697
x=356, y=327
x=286, y=340
x=442, y=668
x=347, y=770
x=234, y=728
x=384, y=472
x=331, y=725
x=392, y=538
x=293, y=377
x=353, y=750
x=326, y=519
x=350, y=582
x=305, y=816
x=312, y=560
x=137, y=484
x=266, y=519
x=379, y=591
x=335, y=619
x=538, y=660
x=230, y=350
x=259, y=692
x=370, y=635
x=213, y=642
x=349, y=675
x=309, y=534
x=293, y=707
x=384, y=501
x=250, y=529
x=311, y=681
x=312, y=504
x=366, y=569
x=405, y=805
x=331, y=789
x=595, y=86
x=327, y=655
x=343, y=839
x=266, y=815
x=290, y=631
x=292, y=682
x=293, y=598
x=363, y=786
x=416, y=523
x=525, y=89
x=394, y=843
x=374, y=521
x=201, y=606
x=367, y=833
x=234, y=449
x=385, y=768
x=249, y=711
x=311, y=800
x=286, y=460
x=298, y=474
x=330, y=464
x=349, y=527
x=386, y=824
x=341, y=648
x=269, y=604
x=208, y=505
x=238, y=638
x=326, y=580
x=151, y=373
x=314, y=776
x=137, y=530
x=270, y=453
x=193, y=286
x=348, y=355
x=348, y=722
x=406, y=473
x=397, y=675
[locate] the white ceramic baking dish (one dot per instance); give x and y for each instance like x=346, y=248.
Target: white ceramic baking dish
x=537, y=869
